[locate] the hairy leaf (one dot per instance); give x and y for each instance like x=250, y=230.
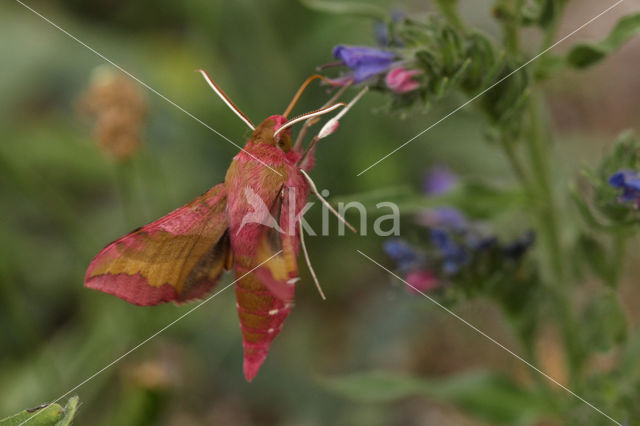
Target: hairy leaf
x=587, y=54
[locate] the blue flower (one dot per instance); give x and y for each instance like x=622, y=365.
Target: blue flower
x=365, y=62
x=453, y=255
x=443, y=217
x=402, y=253
x=629, y=182
x=439, y=180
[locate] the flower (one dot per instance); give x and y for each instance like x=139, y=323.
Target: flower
x=365, y=62
x=453, y=255
x=399, y=80
x=442, y=217
x=421, y=281
x=439, y=180
x=629, y=182
x=401, y=252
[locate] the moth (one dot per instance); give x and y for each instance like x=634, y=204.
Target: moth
x=181, y=256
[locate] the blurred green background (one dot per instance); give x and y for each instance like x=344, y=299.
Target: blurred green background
x=63, y=199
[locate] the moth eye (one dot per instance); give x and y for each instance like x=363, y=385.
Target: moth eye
x=285, y=142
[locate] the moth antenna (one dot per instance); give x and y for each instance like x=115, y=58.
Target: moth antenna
x=296, y=98
x=325, y=202
x=309, y=115
x=311, y=122
x=306, y=258
x=226, y=99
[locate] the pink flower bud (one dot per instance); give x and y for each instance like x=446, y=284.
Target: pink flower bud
x=399, y=80
x=421, y=281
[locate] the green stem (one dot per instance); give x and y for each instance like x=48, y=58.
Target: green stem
x=552, y=28
x=511, y=29
x=516, y=165
x=538, y=156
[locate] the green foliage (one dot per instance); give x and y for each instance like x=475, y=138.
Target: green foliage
x=63, y=201
x=599, y=207
x=487, y=396
x=586, y=55
x=46, y=415
x=453, y=58
x=607, y=321
x=477, y=199
x=366, y=10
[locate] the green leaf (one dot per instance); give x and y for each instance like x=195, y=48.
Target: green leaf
x=585, y=55
x=488, y=396
x=69, y=412
x=347, y=8
x=45, y=415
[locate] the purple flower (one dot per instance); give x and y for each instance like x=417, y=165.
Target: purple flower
x=629, y=182
x=401, y=252
x=365, y=62
x=453, y=255
x=442, y=217
x=439, y=180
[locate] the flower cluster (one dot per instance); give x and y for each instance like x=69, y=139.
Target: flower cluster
x=368, y=64
x=629, y=182
x=454, y=247
x=612, y=198
x=418, y=62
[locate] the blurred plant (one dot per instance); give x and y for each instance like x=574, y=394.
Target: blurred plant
x=456, y=253
x=118, y=107
x=418, y=62
x=45, y=415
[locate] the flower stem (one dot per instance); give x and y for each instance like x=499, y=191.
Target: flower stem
x=538, y=156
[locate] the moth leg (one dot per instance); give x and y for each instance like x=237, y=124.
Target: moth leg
x=325, y=202
x=306, y=258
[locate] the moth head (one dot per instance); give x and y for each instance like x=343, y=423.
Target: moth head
x=275, y=130
x=268, y=132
